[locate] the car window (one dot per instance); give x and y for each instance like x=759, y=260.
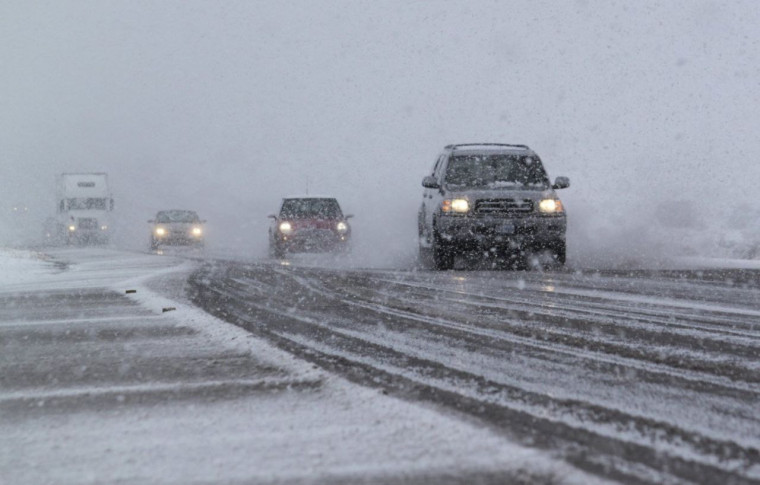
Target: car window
x=309, y=208
x=177, y=216
x=86, y=204
x=437, y=166
x=495, y=171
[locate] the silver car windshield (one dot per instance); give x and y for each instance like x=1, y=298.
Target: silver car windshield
x=167, y=217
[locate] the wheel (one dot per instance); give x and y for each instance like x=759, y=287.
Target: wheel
x=276, y=251
x=560, y=252
x=425, y=257
x=443, y=255
x=424, y=248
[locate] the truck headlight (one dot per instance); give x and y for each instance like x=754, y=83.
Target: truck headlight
x=72, y=228
x=551, y=206
x=342, y=227
x=197, y=231
x=285, y=228
x=160, y=231
x=457, y=206
x=103, y=228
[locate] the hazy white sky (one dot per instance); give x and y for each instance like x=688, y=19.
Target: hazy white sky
x=224, y=107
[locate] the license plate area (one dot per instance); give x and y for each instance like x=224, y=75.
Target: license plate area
x=505, y=229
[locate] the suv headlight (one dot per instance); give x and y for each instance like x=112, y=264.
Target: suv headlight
x=455, y=206
x=160, y=231
x=197, y=231
x=285, y=228
x=551, y=206
x=342, y=227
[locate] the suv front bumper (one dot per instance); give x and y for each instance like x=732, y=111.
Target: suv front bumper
x=473, y=232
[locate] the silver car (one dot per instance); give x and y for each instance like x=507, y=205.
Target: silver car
x=493, y=198
x=177, y=228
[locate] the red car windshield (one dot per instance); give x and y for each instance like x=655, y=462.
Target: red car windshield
x=310, y=209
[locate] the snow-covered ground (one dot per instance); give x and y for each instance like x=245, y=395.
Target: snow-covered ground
x=101, y=386
x=18, y=267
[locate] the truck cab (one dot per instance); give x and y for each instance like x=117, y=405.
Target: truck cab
x=84, y=206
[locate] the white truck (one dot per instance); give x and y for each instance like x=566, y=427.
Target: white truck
x=84, y=206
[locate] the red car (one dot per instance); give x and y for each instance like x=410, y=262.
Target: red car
x=309, y=224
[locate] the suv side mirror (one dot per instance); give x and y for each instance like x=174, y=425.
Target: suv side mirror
x=348, y=216
x=561, y=183
x=272, y=216
x=430, y=182
x=151, y=221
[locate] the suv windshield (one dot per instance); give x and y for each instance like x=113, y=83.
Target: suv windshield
x=177, y=216
x=310, y=208
x=495, y=172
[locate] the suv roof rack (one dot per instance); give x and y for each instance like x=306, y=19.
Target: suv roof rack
x=461, y=145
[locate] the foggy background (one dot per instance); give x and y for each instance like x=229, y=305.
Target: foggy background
x=651, y=109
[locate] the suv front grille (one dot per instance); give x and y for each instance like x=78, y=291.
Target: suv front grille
x=88, y=223
x=503, y=206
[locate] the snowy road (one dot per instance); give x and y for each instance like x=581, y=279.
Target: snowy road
x=650, y=377
x=98, y=385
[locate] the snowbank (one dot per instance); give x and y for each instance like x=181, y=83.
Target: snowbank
x=22, y=266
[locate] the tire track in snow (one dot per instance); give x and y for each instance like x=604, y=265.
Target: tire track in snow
x=300, y=310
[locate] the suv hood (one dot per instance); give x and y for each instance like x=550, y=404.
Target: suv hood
x=473, y=195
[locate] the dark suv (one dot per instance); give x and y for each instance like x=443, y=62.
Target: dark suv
x=494, y=198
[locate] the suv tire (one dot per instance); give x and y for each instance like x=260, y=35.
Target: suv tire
x=276, y=251
x=560, y=251
x=443, y=255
